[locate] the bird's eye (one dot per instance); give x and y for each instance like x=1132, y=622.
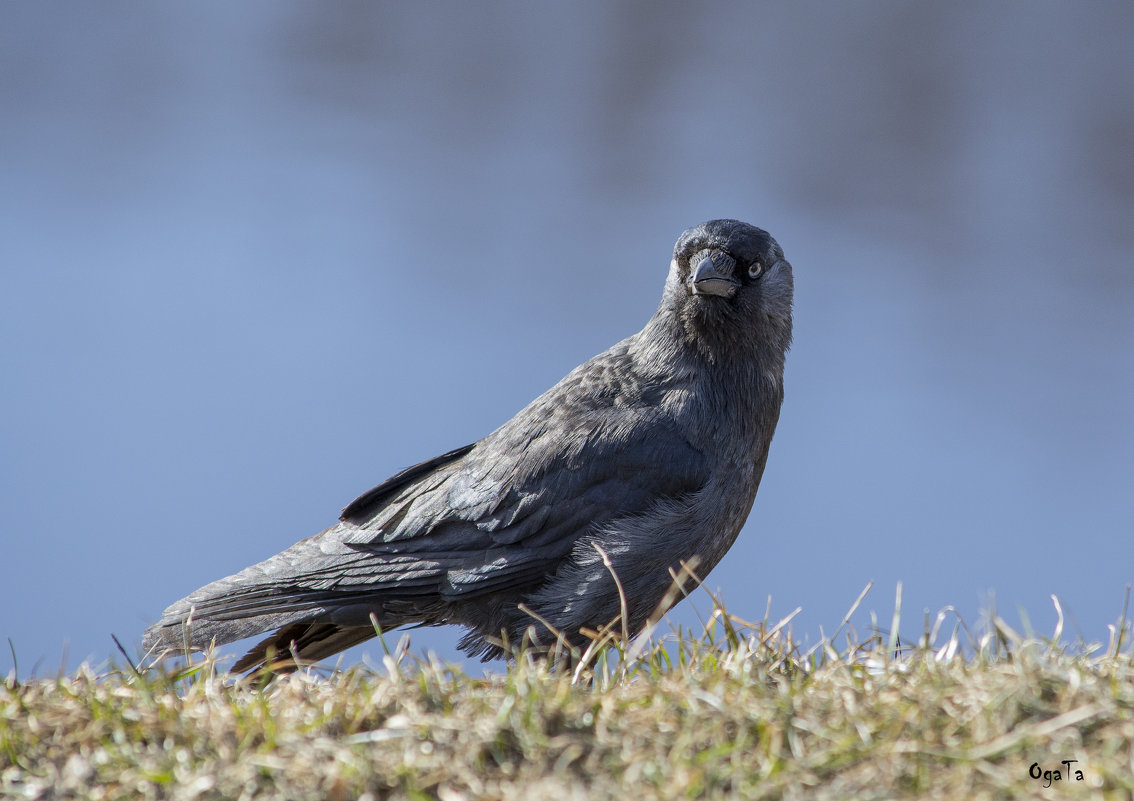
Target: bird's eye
x=755, y=270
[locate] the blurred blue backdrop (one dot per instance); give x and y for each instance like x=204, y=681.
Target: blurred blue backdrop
x=257, y=257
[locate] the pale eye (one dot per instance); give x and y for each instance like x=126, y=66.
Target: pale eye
x=755, y=270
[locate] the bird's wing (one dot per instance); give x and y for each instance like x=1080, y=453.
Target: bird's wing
x=513, y=504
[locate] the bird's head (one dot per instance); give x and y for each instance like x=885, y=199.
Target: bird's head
x=730, y=286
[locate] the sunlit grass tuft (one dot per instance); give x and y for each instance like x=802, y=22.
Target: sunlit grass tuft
x=732, y=708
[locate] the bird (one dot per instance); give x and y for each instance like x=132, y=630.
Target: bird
x=573, y=514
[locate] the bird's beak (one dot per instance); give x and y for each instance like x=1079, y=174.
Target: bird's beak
x=709, y=280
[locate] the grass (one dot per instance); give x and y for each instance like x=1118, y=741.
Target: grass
x=735, y=710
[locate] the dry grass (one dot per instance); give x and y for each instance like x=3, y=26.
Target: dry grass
x=735, y=710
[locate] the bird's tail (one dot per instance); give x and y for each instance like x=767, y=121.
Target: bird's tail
x=318, y=597
x=305, y=625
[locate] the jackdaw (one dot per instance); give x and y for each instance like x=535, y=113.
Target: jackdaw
x=652, y=451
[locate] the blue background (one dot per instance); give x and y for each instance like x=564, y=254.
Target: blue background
x=257, y=257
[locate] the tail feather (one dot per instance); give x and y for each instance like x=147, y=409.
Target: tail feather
x=197, y=633
x=311, y=624
x=307, y=642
